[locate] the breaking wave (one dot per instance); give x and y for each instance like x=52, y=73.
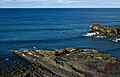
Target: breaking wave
x=89, y=34
x=102, y=37
x=116, y=40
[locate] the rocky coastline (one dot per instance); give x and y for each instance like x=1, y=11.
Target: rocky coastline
x=69, y=62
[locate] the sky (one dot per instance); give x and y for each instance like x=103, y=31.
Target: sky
x=59, y=3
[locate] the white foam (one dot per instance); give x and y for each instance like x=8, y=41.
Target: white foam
x=102, y=37
x=7, y=59
x=89, y=34
x=116, y=40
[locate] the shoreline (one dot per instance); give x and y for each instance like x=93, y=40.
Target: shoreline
x=74, y=62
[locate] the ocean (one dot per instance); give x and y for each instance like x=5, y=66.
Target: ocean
x=55, y=28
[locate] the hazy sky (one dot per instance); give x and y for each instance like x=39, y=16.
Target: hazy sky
x=60, y=3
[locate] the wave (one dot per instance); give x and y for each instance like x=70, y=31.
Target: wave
x=43, y=29
x=38, y=40
x=89, y=34
x=102, y=37
x=116, y=40
x=113, y=49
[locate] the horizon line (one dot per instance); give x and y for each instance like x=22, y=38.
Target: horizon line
x=60, y=7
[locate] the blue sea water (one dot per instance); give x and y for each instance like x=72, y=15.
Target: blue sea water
x=55, y=29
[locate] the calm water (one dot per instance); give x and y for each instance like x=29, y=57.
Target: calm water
x=55, y=28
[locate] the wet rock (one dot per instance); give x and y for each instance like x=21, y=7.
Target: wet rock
x=1, y=59
x=100, y=30
x=4, y=58
x=68, y=62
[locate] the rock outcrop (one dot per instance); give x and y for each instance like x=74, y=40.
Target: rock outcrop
x=72, y=62
x=105, y=31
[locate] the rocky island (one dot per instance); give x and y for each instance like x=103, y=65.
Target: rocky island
x=69, y=62
x=104, y=32
x=100, y=30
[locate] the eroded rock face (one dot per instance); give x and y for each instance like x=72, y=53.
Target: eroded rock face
x=71, y=62
x=105, y=31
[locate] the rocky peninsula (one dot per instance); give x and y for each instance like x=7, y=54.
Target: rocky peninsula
x=69, y=62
